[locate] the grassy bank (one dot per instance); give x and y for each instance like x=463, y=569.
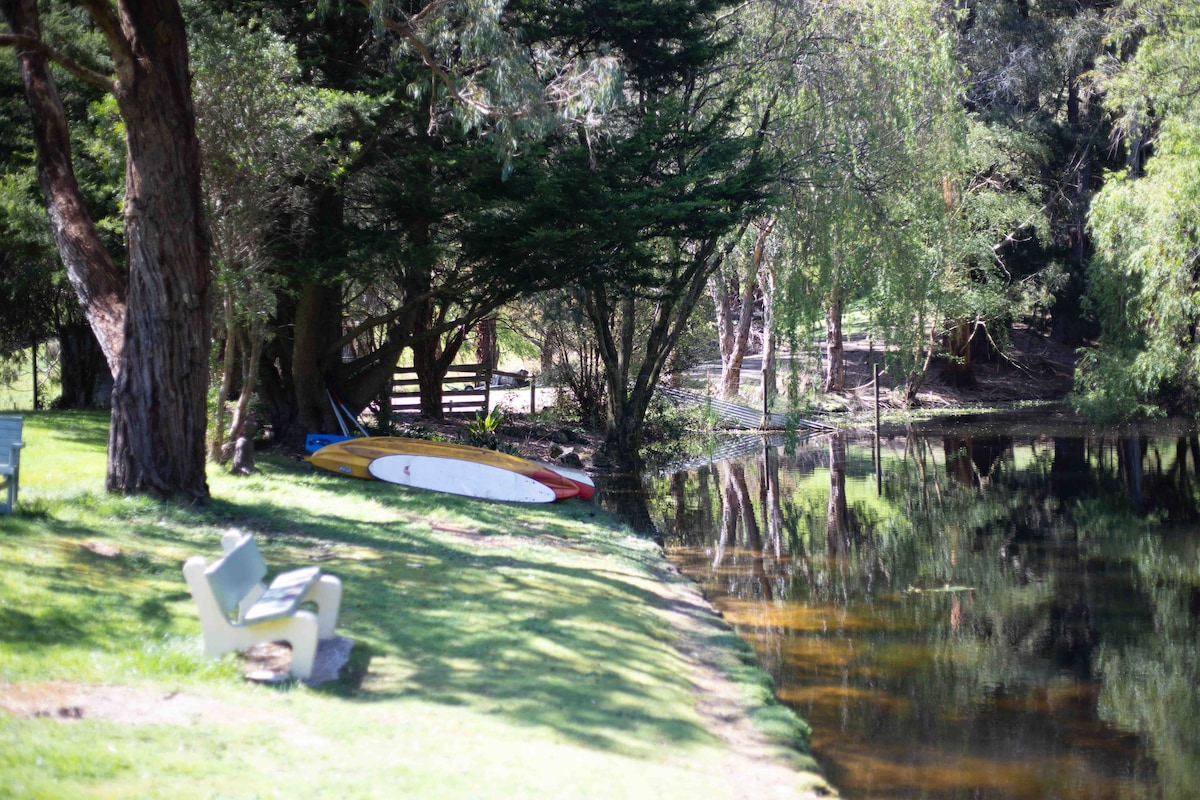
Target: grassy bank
x=500, y=651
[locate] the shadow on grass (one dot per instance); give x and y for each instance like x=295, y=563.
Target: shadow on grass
x=503, y=609
x=511, y=615
x=85, y=427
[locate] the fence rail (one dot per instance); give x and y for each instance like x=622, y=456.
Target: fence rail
x=466, y=389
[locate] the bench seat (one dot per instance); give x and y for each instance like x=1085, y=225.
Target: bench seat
x=283, y=597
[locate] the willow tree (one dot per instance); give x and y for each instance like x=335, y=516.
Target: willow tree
x=1145, y=277
x=867, y=123
x=152, y=320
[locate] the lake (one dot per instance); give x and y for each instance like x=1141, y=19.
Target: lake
x=966, y=609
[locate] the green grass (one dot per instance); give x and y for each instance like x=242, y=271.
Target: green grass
x=500, y=651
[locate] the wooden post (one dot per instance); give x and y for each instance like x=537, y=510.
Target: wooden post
x=875, y=372
x=532, y=394
x=762, y=379
x=33, y=363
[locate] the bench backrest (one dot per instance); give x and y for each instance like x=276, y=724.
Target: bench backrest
x=234, y=574
x=10, y=439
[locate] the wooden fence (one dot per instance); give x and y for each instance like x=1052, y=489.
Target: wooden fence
x=466, y=389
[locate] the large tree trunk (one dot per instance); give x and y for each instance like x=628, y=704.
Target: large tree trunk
x=156, y=442
x=426, y=350
x=317, y=325
x=153, y=326
x=487, y=343
x=958, y=343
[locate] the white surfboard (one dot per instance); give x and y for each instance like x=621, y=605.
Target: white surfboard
x=457, y=476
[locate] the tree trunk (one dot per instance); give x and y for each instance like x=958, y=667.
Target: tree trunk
x=487, y=348
x=243, y=449
x=156, y=442
x=734, y=338
x=835, y=361
x=629, y=392
x=317, y=325
x=769, y=367
x=243, y=427
x=153, y=327
x=959, y=371
x=426, y=349
x=98, y=283
x=216, y=450
x=86, y=381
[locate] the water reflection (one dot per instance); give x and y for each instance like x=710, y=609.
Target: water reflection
x=993, y=614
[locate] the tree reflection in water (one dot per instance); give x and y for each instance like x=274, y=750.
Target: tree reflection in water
x=1009, y=613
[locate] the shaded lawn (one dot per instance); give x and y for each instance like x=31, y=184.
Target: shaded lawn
x=501, y=651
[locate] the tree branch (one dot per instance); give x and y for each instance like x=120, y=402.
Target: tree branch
x=81, y=71
x=102, y=14
x=408, y=33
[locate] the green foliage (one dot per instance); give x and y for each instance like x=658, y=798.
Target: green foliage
x=1143, y=281
x=674, y=432
x=34, y=295
x=871, y=134
x=483, y=431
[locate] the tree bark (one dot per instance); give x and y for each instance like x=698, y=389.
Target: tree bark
x=156, y=442
x=958, y=342
x=317, y=324
x=487, y=348
x=86, y=381
x=216, y=448
x=160, y=355
x=835, y=359
x=769, y=366
x=432, y=358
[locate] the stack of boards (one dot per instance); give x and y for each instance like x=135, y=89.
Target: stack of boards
x=453, y=468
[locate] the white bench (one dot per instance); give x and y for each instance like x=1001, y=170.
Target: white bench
x=10, y=460
x=237, y=610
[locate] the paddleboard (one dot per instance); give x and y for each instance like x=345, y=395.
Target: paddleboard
x=456, y=476
x=353, y=456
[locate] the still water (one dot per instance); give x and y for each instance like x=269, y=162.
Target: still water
x=977, y=611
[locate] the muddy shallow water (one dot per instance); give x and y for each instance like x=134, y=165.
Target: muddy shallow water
x=999, y=611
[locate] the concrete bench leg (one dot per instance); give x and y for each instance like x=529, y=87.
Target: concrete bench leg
x=9, y=479
x=302, y=636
